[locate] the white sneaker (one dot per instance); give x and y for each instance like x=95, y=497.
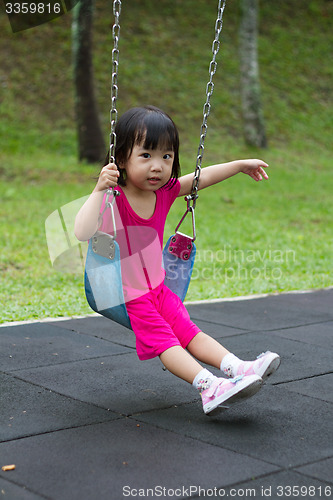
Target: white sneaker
x=265, y=364
x=222, y=393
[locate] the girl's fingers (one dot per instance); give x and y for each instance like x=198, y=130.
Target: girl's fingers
x=108, y=179
x=263, y=172
x=259, y=174
x=111, y=166
x=109, y=172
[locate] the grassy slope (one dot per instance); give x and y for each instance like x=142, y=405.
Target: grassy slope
x=164, y=60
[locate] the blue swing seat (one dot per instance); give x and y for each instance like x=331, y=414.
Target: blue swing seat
x=103, y=284
x=102, y=277
x=178, y=260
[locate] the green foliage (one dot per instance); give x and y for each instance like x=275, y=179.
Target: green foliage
x=252, y=238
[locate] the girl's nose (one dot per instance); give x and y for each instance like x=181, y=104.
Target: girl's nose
x=157, y=166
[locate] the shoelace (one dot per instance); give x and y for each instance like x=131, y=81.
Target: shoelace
x=212, y=388
x=262, y=354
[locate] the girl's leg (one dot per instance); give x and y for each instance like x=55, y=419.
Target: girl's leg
x=207, y=350
x=179, y=362
x=216, y=393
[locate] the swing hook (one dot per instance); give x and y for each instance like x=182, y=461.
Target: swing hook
x=189, y=209
x=109, y=204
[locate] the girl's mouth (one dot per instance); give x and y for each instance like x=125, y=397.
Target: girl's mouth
x=153, y=180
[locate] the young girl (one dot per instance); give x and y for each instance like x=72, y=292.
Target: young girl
x=146, y=174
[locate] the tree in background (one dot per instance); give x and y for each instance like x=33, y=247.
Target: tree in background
x=90, y=137
x=254, y=127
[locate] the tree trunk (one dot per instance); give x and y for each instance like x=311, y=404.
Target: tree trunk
x=254, y=128
x=90, y=137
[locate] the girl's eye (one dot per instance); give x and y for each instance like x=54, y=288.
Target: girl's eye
x=167, y=157
x=145, y=155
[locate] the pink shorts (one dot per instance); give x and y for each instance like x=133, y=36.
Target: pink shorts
x=160, y=320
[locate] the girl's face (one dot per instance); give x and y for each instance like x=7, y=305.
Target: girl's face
x=148, y=169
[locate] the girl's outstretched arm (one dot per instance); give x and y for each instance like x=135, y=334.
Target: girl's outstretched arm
x=217, y=173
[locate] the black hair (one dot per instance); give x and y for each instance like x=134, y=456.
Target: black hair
x=149, y=126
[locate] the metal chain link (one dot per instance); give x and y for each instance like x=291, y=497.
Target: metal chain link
x=207, y=106
x=113, y=112
x=114, y=79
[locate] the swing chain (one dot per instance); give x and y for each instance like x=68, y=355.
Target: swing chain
x=207, y=106
x=114, y=79
x=113, y=112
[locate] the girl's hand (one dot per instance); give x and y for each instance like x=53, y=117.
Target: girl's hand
x=107, y=178
x=254, y=168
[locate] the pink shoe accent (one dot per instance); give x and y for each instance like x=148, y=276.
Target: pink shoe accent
x=223, y=392
x=265, y=364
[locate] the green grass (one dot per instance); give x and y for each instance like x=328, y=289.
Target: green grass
x=252, y=238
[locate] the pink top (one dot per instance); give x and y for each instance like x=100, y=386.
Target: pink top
x=140, y=241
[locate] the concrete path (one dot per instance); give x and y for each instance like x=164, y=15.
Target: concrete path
x=83, y=419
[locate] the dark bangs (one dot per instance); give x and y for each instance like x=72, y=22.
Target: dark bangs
x=150, y=127
x=157, y=130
